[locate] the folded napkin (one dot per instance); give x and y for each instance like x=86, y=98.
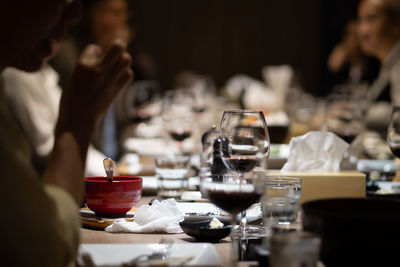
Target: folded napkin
x=161, y=216
x=315, y=151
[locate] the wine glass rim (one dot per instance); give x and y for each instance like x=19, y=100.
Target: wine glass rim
x=282, y=178
x=242, y=111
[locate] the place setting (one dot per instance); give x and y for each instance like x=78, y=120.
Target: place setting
x=235, y=199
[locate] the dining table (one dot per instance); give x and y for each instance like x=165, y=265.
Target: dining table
x=95, y=236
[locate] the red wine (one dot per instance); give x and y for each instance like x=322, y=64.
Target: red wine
x=241, y=164
x=347, y=136
x=233, y=201
x=395, y=148
x=180, y=136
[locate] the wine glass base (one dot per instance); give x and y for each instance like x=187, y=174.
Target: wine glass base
x=243, y=241
x=251, y=231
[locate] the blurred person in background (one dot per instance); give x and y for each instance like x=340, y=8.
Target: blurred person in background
x=102, y=22
x=348, y=64
x=42, y=214
x=379, y=34
x=34, y=99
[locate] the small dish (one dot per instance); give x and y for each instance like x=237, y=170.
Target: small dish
x=202, y=232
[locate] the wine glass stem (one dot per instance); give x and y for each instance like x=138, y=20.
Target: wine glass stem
x=243, y=227
x=234, y=223
x=180, y=147
x=235, y=242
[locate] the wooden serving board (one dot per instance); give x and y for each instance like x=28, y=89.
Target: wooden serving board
x=89, y=219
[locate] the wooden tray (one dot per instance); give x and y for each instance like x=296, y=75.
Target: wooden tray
x=89, y=219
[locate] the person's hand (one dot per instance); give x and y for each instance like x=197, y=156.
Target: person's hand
x=97, y=79
x=338, y=58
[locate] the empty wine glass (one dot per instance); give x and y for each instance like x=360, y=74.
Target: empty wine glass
x=345, y=119
x=393, y=134
x=245, y=145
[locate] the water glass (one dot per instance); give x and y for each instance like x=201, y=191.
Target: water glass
x=298, y=249
x=280, y=203
x=172, y=171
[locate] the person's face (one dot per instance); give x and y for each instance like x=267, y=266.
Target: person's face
x=376, y=31
x=109, y=20
x=32, y=30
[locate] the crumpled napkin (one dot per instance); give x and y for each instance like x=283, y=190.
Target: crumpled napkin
x=236, y=84
x=278, y=77
x=161, y=216
x=259, y=96
x=315, y=151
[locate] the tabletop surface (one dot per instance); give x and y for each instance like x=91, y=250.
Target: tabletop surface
x=89, y=236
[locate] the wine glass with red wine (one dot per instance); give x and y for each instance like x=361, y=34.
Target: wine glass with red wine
x=393, y=134
x=178, y=115
x=245, y=145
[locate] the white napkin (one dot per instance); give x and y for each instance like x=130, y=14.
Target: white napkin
x=133, y=162
x=315, y=151
x=161, y=216
x=277, y=118
x=236, y=84
x=278, y=77
x=259, y=96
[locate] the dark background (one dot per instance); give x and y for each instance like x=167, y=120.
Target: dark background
x=225, y=37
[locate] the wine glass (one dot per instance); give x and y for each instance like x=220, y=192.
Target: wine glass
x=345, y=119
x=246, y=144
x=393, y=134
x=178, y=115
x=233, y=196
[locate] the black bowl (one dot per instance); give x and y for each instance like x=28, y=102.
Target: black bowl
x=202, y=232
x=355, y=231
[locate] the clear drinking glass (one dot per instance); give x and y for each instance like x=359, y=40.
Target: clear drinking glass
x=245, y=145
x=172, y=171
x=393, y=134
x=280, y=203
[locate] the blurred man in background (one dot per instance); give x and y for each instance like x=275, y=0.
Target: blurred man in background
x=379, y=33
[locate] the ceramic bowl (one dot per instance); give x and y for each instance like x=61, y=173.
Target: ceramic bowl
x=202, y=232
x=112, y=198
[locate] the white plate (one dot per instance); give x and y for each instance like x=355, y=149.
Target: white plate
x=150, y=183
x=389, y=187
x=149, y=146
x=385, y=166
x=118, y=254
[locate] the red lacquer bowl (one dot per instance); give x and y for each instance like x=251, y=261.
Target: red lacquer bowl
x=112, y=199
